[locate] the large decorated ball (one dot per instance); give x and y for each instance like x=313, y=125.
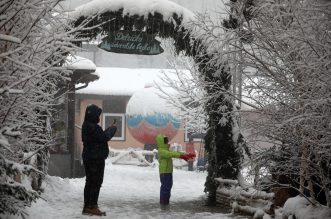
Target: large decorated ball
x=149, y=115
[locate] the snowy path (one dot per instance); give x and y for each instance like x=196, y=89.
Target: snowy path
x=127, y=192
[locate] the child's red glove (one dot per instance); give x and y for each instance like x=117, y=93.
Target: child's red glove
x=185, y=157
x=191, y=156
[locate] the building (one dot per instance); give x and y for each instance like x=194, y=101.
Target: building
x=62, y=157
x=112, y=93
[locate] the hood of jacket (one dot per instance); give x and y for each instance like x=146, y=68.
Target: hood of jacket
x=92, y=114
x=160, y=142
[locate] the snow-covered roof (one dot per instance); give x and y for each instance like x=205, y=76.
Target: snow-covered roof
x=133, y=7
x=77, y=62
x=123, y=81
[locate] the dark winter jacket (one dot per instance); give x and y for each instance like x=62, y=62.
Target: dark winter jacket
x=93, y=137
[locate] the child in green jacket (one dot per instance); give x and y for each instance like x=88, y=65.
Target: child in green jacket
x=166, y=167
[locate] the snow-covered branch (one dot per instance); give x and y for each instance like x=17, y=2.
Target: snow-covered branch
x=9, y=38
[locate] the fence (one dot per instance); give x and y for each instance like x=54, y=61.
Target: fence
x=248, y=201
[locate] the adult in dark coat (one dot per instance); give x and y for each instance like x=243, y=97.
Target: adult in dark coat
x=95, y=151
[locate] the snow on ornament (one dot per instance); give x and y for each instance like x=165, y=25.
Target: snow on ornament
x=148, y=115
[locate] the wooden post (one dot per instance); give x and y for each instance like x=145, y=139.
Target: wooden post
x=71, y=126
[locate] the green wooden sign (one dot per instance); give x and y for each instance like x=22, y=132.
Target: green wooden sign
x=131, y=43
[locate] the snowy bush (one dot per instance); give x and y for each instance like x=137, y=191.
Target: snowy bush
x=286, y=68
x=34, y=42
x=300, y=208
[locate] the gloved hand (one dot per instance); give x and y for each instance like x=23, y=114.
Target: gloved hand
x=191, y=156
x=187, y=157
x=184, y=157
x=110, y=131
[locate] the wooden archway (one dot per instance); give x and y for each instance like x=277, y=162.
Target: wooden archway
x=150, y=20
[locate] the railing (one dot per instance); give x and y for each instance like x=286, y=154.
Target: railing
x=139, y=157
x=124, y=156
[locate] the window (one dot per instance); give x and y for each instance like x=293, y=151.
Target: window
x=108, y=119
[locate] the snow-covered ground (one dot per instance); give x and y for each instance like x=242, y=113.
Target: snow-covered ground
x=127, y=192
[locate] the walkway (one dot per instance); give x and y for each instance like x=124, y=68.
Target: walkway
x=128, y=192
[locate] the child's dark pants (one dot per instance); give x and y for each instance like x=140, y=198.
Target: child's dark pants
x=165, y=190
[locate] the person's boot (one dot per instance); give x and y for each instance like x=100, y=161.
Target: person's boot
x=93, y=211
x=86, y=210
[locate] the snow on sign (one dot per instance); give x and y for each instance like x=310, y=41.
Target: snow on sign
x=131, y=42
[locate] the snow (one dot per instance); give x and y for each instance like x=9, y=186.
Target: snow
x=127, y=192
x=77, y=62
x=256, y=212
x=302, y=209
x=5, y=143
x=147, y=101
x=227, y=181
x=9, y=38
x=11, y=91
x=235, y=131
x=122, y=81
x=253, y=193
x=133, y=7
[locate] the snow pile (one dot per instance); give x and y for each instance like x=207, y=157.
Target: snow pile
x=60, y=197
x=133, y=7
x=300, y=208
x=256, y=212
x=77, y=62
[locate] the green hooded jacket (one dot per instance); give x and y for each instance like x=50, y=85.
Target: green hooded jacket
x=165, y=155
